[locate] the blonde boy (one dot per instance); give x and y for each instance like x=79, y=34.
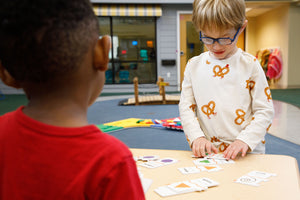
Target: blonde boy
x=225, y=103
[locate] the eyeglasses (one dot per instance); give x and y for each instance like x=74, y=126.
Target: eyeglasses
x=221, y=41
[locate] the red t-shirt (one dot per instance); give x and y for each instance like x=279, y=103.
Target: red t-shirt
x=40, y=161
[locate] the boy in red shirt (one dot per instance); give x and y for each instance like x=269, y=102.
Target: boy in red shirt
x=51, y=49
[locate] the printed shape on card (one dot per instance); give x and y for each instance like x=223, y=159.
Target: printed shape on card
x=204, y=161
x=210, y=168
x=183, y=187
x=248, y=180
x=148, y=158
x=167, y=161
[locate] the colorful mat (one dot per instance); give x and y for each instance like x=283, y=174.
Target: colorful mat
x=172, y=123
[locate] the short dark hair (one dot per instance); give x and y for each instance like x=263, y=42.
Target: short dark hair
x=41, y=40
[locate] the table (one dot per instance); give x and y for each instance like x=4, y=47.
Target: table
x=284, y=186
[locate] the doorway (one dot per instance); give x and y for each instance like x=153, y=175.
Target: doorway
x=189, y=44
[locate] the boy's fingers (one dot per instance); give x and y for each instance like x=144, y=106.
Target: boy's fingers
x=202, y=150
x=215, y=150
x=208, y=148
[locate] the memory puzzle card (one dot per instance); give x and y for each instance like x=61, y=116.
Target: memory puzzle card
x=204, y=161
x=151, y=164
x=210, y=168
x=219, y=158
x=158, y=163
x=178, y=188
x=167, y=161
x=260, y=174
x=189, y=170
x=148, y=158
x=248, y=180
x=205, y=182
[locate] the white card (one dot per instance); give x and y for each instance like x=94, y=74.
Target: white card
x=260, y=174
x=204, y=161
x=148, y=158
x=151, y=164
x=210, y=168
x=205, y=182
x=248, y=180
x=146, y=183
x=217, y=156
x=183, y=187
x=223, y=161
x=189, y=170
x=167, y=161
x=165, y=191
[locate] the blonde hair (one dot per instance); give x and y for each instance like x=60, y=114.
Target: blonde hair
x=218, y=14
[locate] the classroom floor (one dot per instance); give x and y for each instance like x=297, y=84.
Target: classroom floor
x=285, y=123
x=283, y=137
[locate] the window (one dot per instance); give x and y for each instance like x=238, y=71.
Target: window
x=133, y=52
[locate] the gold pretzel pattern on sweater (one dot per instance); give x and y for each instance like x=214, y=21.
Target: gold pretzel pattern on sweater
x=240, y=116
x=209, y=109
x=214, y=139
x=223, y=146
x=268, y=93
x=219, y=71
x=250, y=84
x=193, y=107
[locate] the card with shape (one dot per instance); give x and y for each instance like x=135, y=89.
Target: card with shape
x=148, y=158
x=189, y=170
x=204, y=161
x=167, y=161
x=205, y=182
x=248, y=180
x=151, y=164
x=184, y=187
x=210, y=168
x=260, y=174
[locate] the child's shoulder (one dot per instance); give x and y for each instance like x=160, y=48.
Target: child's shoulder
x=198, y=58
x=247, y=57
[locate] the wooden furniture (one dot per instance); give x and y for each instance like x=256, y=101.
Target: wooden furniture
x=283, y=186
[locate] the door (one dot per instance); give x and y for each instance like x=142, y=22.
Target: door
x=190, y=45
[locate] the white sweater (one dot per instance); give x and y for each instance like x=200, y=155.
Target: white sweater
x=225, y=100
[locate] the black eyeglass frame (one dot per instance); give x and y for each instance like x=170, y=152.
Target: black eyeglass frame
x=218, y=39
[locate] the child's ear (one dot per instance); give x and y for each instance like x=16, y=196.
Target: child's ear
x=7, y=78
x=244, y=25
x=101, y=53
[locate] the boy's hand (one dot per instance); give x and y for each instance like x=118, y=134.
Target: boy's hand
x=235, y=148
x=201, y=145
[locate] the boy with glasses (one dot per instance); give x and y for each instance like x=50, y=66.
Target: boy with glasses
x=225, y=104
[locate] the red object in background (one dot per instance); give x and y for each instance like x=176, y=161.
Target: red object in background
x=124, y=52
x=274, y=65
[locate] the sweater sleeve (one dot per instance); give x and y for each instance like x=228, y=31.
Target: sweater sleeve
x=187, y=109
x=262, y=108
x=122, y=182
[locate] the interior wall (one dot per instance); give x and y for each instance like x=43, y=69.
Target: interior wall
x=271, y=30
x=294, y=46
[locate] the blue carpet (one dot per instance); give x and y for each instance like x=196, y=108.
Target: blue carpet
x=156, y=138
